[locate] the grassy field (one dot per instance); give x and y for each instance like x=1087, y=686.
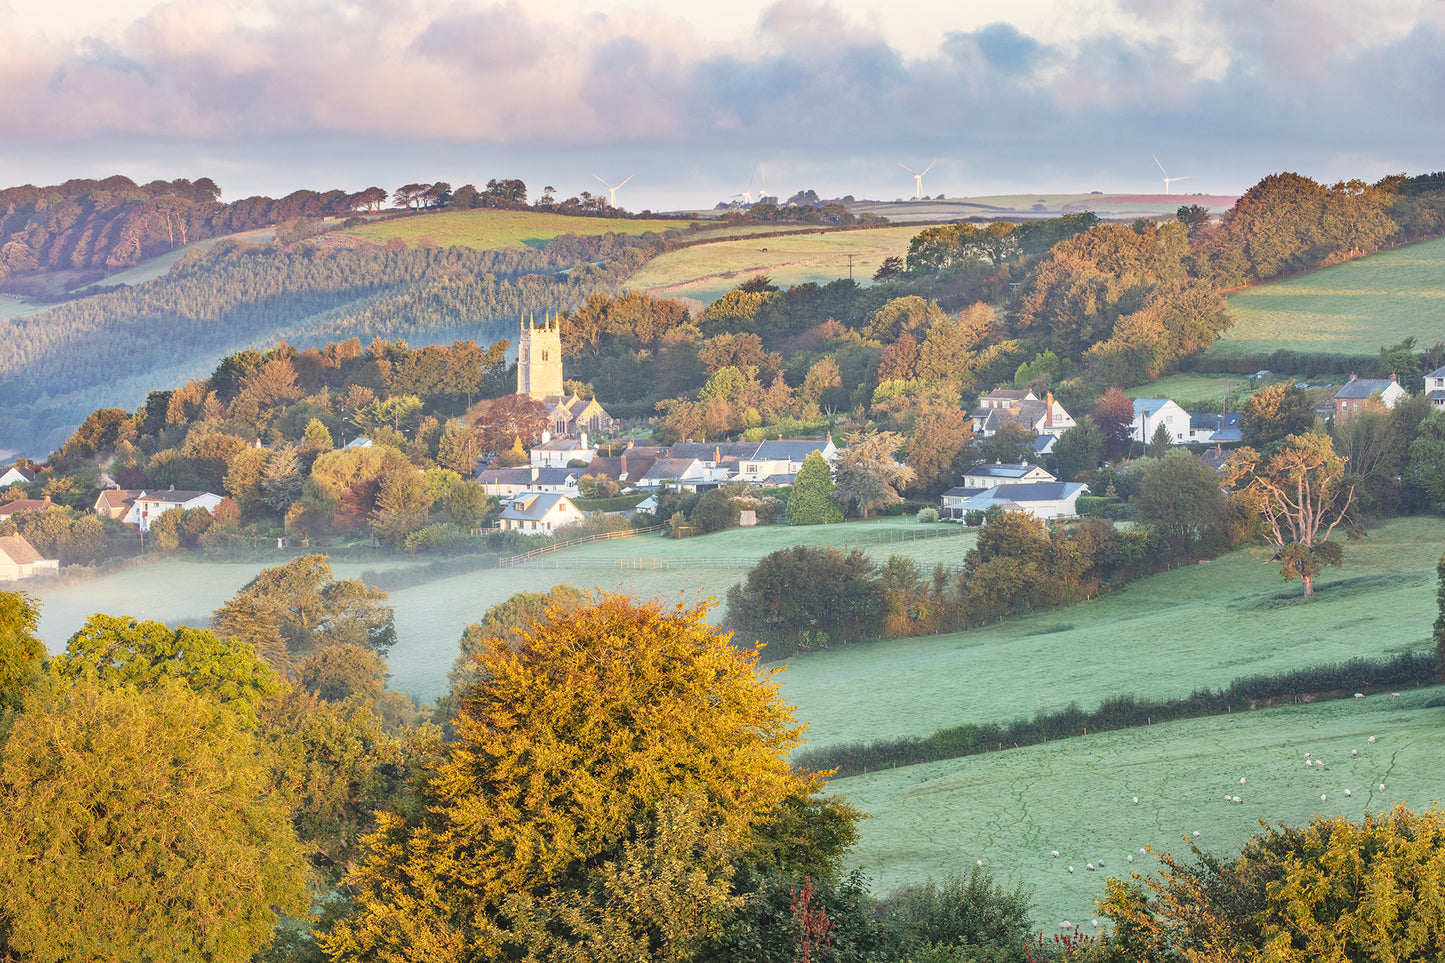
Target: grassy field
x=1200, y=625
x=430, y=617
x=1196, y=387
x=1042, y=205
x=1352, y=308
x=704, y=272
x=489, y=230
x=1012, y=809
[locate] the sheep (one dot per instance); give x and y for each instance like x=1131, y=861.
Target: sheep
x=1071, y=869
x=1237, y=799
x=1347, y=792
x=1228, y=798
x=1055, y=854
x=1141, y=850
x=1131, y=857
x=978, y=863
x=1371, y=740
x=1309, y=762
x=1089, y=867
x=1307, y=755
x=1354, y=752
x=1394, y=695
x=1382, y=787
x=1066, y=925
x=1323, y=797
x=1359, y=695
x=1136, y=800
x=1241, y=780
x=1196, y=834
x=1095, y=922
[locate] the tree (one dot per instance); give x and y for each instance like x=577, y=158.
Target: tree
x=1274, y=412
x=943, y=433
x=589, y=759
x=1181, y=500
x=21, y=651
x=1440, y=620
x=401, y=507
x=1160, y=442
x=297, y=607
x=139, y=824
x=1078, y=449
x=866, y=475
x=1335, y=890
x=806, y=597
x=811, y=502
x=1114, y=414
x=281, y=480
x=1299, y=492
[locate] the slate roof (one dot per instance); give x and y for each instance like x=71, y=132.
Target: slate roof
x=24, y=505
x=535, y=506
x=505, y=476
x=791, y=450
x=1213, y=421
x=170, y=495
x=665, y=468
x=24, y=472
x=1008, y=470
x=1038, y=491
x=1437, y=373
x=1149, y=406
x=1363, y=387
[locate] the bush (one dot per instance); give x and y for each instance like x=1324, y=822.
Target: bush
x=927, y=515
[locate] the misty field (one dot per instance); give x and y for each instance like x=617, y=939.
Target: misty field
x=1012, y=809
x=1161, y=637
x=705, y=272
x=1352, y=308
x=489, y=230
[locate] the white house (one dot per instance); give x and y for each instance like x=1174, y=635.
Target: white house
x=148, y=506
x=16, y=475
x=539, y=513
x=1012, y=406
x=1435, y=387
x=506, y=482
x=115, y=502
x=1150, y=413
x=19, y=559
x=691, y=474
x=1044, y=500
x=1000, y=473
x=1352, y=398
x=560, y=452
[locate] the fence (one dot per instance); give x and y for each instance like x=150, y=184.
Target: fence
x=526, y=557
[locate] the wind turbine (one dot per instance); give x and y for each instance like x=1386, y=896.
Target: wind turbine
x=762, y=184
x=1167, y=178
x=917, y=178
x=747, y=195
x=612, y=191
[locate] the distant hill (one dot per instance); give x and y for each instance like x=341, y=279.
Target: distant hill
x=1018, y=206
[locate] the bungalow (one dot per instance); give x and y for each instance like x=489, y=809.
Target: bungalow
x=116, y=502
x=539, y=513
x=1352, y=398
x=1044, y=500
x=1211, y=428
x=999, y=473
x=1435, y=387
x=19, y=559
x=1010, y=406
x=689, y=473
x=1150, y=413
x=148, y=506
x=17, y=475
x=24, y=505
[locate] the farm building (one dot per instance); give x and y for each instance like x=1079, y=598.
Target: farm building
x=19, y=559
x=1355, y=395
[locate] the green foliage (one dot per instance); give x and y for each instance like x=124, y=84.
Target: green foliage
x=963, y=913
x=72, y=537
x=1180, y=498
x=554, y=801
x=811, y=502
x=806, y=589
x=21, y=651
x=866, y=475
x=140, y=824
x=1274, y=412
x=1079, y=449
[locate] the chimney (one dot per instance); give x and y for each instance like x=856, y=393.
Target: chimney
x=1049, y=409
x=546, y=436
x=584, y=439
x=1392, y=376
x=1353, y=376
x=622, y=475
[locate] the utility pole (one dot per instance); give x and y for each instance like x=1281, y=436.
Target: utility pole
x=850, y=258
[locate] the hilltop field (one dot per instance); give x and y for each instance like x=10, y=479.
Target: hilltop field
x=1353, y=308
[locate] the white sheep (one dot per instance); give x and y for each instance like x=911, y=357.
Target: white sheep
x=1228, y=798
x=1309, y=762
x=1354, y=752
x=1241, y=780
x=1055, y=854
x=1359, y=695
x=1371, y=740
x=1347, y=792
x=978, y=862
x=1141, y=850
x=1307, y=755
x=1095, y=922
x=1382, y=787
x=1196, y=834
x=1323, y=797
x=1131, y=857
x=1066, y=925
x=1089, y=867
x=1136, y=800
x=1071, y=869
x=1237, y=799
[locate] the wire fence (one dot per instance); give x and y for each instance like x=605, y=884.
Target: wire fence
x=522, y=560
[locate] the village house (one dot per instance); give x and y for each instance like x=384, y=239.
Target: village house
x=1435, y=388
x=114, y=503
x=553, y=452
x=1355, y=395
x=17, y=475
x=19, y=559
x=507, y=482
x=1150, y=413
x=1006, y=406
x=24, y=505
x=148, y=506
x=1045, y=500
x=1004, y=473
x=1213, y=429
x=538, y=513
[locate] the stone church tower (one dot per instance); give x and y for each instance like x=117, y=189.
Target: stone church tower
x=539, y=360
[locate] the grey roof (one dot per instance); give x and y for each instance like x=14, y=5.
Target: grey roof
x=1149, y=406
x=665, y=468
x=562, y=444
x=1363, y=387
x=1038, y=491
x=796, y=449
x=1211, y=421
x=1009, y=394
x=711, y=451
x=535, y=506
x=963, y=492
x=170, y=495
x=557, y=476
x=1009, y=470
x=505, y=476
x=1437, y=373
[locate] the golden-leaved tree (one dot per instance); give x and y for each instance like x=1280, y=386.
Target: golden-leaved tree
x=612, y=767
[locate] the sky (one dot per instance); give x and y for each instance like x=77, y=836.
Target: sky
x=698, y=102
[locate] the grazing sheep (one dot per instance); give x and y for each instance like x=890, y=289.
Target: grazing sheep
x=1382, y=787
x=1141, y=850
x=1055, y=854
x=1354, y=752
x=1394, y=695
x=1371, y=740
x=1228, y=798
x=1196, y=834
x=1065, y=925
x=1359, y=695
x=1323, y=797
x=1131, y=857
x=1136, y=800
x=1071, y=869
x=1241, y=780
x=1237, y=799
x=1307, y=755
x=978, y=862
x=1089, y=867
x=1095, y=922
x=1347, y=792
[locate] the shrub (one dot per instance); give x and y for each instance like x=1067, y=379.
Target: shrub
x=927, y=515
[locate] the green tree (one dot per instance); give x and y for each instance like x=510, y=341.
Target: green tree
x=1160, y=442
x=561, y=796
x=1079, y=449
x=401, y=507
x=866, y=476
x=21, y=651
x=1300, y=494
x=807, y=596
x=1425, y=468
x=139, y=824
x=1180, y=499
x=810, y=502
x=1274, y=412
x=298, y=607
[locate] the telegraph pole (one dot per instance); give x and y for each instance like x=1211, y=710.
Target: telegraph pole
x=850, y=258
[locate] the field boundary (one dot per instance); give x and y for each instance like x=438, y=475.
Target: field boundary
x=520, y=560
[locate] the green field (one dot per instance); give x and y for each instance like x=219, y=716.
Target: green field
x=1040, y=205
x=1199, y=625
x=1352, y=308
x=490, y=230
x=1012, y=809
x=1196, y=387
x=704, y=272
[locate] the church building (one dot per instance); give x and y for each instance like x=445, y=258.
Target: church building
x=539, y=376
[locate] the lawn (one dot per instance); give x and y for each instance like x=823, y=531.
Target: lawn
x=1012, y=809
x=1196, y=387
x=489, y=230
x=704, y=272
x=1352, y=308
x=1200, y=625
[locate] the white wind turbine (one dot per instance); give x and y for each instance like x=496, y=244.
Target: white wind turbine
x=747, y=195
x=612, y=191
x=762, y=184
x=1167, y=179
x=917, y=178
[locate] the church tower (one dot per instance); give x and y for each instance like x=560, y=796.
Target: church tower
x=539, y=359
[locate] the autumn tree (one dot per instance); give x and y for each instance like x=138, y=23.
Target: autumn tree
x=1333, y=890
x=21, y=650
x=942, y=435
x=591, y=759
x=866, y=475
x=1300, y=494
x=1114, y=414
